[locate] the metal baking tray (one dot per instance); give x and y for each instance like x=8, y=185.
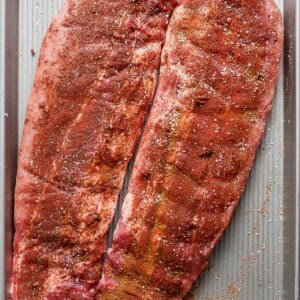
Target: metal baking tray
x=258, y=256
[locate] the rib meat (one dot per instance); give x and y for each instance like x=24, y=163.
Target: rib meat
x=94, y=82
x=219, y=68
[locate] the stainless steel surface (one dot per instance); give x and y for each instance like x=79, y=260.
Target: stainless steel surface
x=9, y=132
x=258, y=256
x=291, y=206
x=2, y=211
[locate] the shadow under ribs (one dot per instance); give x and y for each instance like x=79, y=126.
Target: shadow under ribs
x=219, y=69
x=93, y=85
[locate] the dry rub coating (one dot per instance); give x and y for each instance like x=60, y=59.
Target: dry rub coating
x=94, y=82
x=218, y=73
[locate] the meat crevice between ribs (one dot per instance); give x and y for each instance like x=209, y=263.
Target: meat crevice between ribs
x=95, y=80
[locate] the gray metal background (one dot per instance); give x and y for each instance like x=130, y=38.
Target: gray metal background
x=2, y=216
x=257, y=258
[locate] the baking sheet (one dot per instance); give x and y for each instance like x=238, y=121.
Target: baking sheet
x=2, y=214
x=8, y=133
x=257, y=258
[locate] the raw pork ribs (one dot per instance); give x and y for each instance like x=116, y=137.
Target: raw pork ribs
x=94, y=82
x=218, y=72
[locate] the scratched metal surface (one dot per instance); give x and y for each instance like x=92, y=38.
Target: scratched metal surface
x=257, y=256
x=2, y=215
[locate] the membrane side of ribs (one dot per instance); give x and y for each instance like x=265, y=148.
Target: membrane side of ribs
x=219, y=69
x=93, y=85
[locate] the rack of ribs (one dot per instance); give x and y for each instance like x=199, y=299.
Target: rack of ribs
x=218, y=73
x=95, y=80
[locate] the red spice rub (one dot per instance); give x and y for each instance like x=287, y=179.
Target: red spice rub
x=220, y=65
x=95, y=79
